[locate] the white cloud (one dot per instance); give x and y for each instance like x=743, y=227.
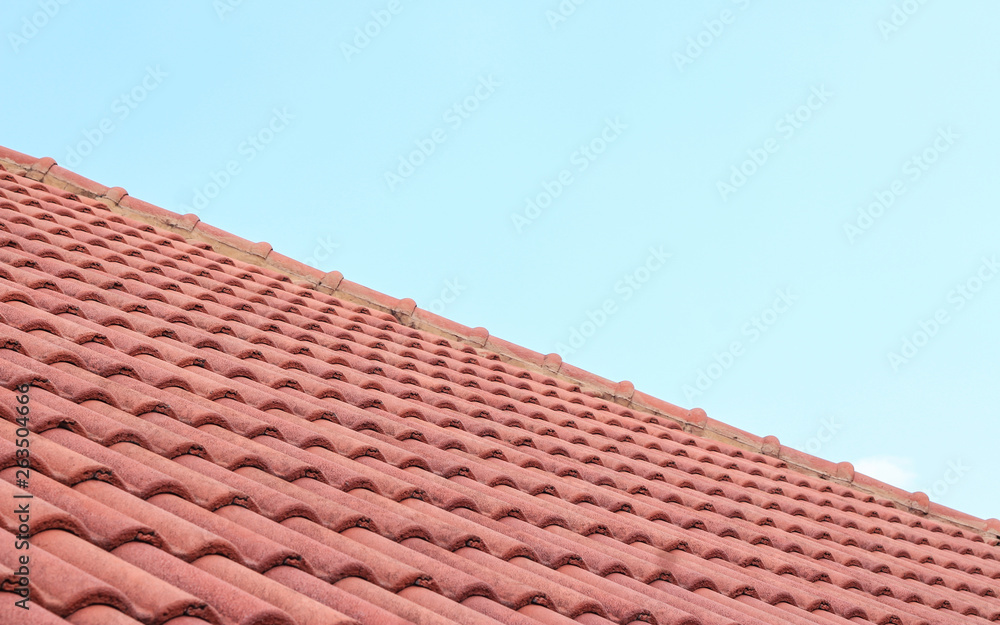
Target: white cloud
x=892, y=470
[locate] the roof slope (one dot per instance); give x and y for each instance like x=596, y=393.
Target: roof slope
x=220, y=434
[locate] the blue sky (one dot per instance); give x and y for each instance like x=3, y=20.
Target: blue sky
x=782, y=212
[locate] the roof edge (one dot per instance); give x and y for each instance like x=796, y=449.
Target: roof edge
x=694, y=421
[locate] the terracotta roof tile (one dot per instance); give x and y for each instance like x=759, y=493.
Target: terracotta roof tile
x=45, y=515
x=300, y=608
x=11, y=613
x=234, y=604
x=259, y=555
x=52, y=458
x=60, y=587
x=325, y=563
x=151, y=598
x=85, y=516
x=175, y=535
x=220, y=434
x=106, y=615
x=332, y=596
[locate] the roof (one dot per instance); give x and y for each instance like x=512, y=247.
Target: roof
x=218, y=433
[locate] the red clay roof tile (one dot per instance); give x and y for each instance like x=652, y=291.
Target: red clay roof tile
x=106, y=615
x=314, y=507
x=85, y=516
x=233, y=603
x=222, y=434
x=11, y=613
x=152, y=599
x=60, y=587
x=45, y=514
x=177, y=536
x=333, y=597
x=301, y=609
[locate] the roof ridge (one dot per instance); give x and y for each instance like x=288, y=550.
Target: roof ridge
x=694, y=421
